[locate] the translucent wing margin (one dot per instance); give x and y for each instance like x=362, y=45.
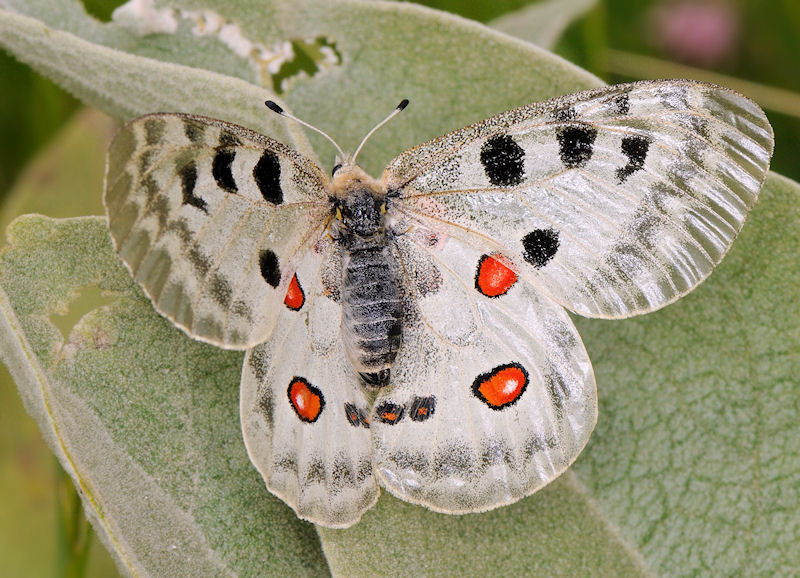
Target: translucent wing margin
x=210, y=218
x=613, y=202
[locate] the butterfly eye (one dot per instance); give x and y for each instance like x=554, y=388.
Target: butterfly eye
x=336, y=168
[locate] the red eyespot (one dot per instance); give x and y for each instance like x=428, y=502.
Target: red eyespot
x=307, y=401
x=389, y=413
x=502, y=386
x=493, y=277
x=295, y=297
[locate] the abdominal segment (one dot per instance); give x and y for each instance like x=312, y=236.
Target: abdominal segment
x=372, y=312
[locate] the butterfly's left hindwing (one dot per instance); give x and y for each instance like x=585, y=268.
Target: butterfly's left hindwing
x=210, y=217
x=305, y=418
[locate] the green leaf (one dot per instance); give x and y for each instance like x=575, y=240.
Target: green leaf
x=542, y=23
x=152, y=440
x=696, y=455
x=454, y=71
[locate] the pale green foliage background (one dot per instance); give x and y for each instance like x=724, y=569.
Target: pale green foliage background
x=695, y=463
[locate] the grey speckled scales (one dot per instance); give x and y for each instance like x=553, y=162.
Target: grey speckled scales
x=195, y=245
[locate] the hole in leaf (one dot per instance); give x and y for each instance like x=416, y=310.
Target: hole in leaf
x=89, y=299
x=101, y=9
x=310, y=58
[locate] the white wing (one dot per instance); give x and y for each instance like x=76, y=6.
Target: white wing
x=304, y=415
x=613, y=202
x=209, y=217
x=492, y=397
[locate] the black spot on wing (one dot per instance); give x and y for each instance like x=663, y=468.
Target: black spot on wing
x=267, y=174
x=503, y=161
x=576, y=144
x=270, y=267
x=188, y=175
x=565, y=114
x=356, y=416
x=635, y=148
x=389, y=413
x=221, y=170
x=228, y=140
x=622, y=104
x=539, y=246
x=422, y=408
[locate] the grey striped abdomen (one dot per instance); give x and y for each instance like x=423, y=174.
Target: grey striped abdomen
x=372, y=312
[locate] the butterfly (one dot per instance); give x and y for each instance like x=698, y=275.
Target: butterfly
x=411, y=331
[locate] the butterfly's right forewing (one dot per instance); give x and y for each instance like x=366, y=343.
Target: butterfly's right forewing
x=211, y=219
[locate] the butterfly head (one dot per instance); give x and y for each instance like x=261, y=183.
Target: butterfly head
x=360, y=201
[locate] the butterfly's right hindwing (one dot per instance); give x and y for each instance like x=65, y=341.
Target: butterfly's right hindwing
x=211, y=219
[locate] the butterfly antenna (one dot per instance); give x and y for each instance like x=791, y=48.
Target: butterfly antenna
x=395, y=112
x=274, y=107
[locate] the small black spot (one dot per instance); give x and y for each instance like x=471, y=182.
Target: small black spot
x=270, y=267
x=376, y=378
x=188, y=175
x=622, y=104
x=363, y=474
x=154, y=130
x=221, y=170
x=267, y=174
x=576, y=144
x=503, y=161
x=228, y=140
x=286, y=463
x=194, y=132
x=389, y=413
x=565, y=114
x=635, y=148
x=422, y=408
x=539, y=246
x=355, y=416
